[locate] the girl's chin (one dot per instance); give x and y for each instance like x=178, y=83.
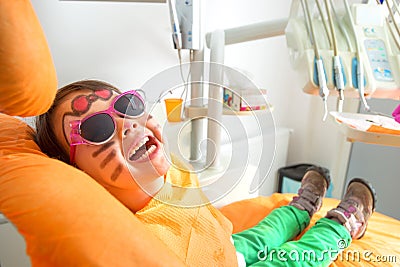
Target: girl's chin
x=160, y=165
x=163, y=171
x=148, y=169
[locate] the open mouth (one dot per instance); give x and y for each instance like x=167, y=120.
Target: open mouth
x=144, y=148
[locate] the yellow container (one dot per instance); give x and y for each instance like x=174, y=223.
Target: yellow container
x=173, y=107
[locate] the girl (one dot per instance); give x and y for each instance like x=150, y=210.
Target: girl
x=107, y=134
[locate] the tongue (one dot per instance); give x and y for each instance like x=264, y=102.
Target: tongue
x=139, y=153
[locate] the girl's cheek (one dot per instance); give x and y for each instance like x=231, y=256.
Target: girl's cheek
x=155, y=128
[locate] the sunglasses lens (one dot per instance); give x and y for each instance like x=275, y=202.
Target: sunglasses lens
x=130, y=105
x=98, y=128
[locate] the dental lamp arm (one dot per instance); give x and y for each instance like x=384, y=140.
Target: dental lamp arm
x=251, y=32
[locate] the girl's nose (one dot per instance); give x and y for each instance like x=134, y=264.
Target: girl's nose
x=128, y=126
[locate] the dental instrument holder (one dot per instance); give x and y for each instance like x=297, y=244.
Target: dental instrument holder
x=374, y=64
x=215, y=97
x=216, y=41
x=186, y=27
x=185, y=23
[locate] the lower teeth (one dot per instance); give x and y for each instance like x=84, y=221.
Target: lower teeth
x=149, y=151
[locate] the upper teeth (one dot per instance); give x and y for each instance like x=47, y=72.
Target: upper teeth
x=141, y=143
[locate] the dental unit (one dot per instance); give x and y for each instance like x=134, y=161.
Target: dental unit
x=361, y=45
x=339, y=49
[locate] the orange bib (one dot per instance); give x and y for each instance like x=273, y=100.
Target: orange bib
x=182, y=217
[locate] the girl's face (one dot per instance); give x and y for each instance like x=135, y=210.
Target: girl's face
x=132, y=159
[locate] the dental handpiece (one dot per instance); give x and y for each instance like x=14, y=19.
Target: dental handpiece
x=339, y=82
x=360, y=77
x=323, y=88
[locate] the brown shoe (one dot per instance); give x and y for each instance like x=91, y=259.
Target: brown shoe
x=314, y=184
x=356, y=207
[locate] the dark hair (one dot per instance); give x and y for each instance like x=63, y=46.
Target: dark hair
x=45, y=136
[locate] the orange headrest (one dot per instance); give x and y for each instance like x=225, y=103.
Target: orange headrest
x=28, y=81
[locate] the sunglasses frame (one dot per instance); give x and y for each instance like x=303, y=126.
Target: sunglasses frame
x=75, y=134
